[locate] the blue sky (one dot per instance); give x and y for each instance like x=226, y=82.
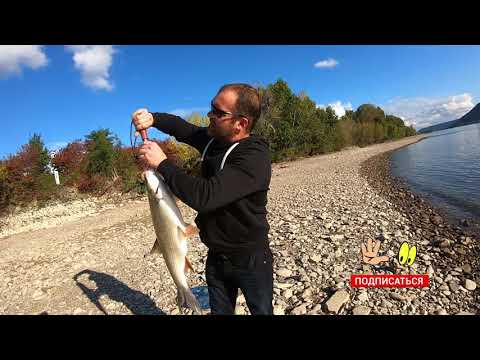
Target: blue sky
x=64, y=92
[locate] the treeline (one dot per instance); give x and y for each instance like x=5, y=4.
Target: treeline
x=292, y=125
x=95, y=165
x=295, y=126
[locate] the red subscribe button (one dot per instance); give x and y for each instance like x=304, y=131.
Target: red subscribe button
x=390, y=281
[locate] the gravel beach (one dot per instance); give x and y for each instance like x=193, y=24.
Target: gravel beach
x=90, y=259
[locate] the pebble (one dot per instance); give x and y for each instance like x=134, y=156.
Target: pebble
x=454, y=286
x=239, y=310
x=362, y=297
x=337, y=237
x=361, y=310
x=467, y=268
x=441, y=312
x=436, y=219
x=307, y=293
x=278, y=310
x=38, y=295
x=241, y=299
x=386, y=303
x=284, y=273
x=280, y=301
x=384, y=237
x=287, y=294
x=444, y=244
x=111, y=306
x=283, y=285
x=337, y=300
x=367, y=269
x=315, y=258
x=175, y=311
x=300, y=310
x=397, y=297
x=470, y=285
x=430, y=270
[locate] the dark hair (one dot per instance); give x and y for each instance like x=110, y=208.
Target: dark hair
x=248, y=102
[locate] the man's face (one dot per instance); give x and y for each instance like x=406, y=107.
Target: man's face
x=223, y=125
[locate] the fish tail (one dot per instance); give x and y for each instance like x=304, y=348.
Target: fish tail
x=185, y=298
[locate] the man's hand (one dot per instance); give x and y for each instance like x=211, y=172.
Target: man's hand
x=370, y=255
x=142, y=119
x=151, y=155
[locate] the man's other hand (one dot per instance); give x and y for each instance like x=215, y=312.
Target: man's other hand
x=142, y=119
x=151, y=155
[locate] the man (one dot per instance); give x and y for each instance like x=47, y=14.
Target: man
x=230, y=197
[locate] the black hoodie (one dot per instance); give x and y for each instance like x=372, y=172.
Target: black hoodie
x=231, y=203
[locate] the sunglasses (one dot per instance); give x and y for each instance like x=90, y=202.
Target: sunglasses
x=221, y=113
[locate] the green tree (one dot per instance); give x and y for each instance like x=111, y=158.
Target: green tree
x=345, y=128
x=4, y=188
x=198, y=120
x=283, y=115
x=369, y=113
x=127, y=171
x=101, y=152
x=37, y=146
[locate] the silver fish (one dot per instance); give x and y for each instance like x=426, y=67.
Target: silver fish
x=172, y=233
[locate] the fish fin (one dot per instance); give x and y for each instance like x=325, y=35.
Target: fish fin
x=155, y=248
x=188, y=265
x=159, y=193
x=185, y=298
x=190, y=230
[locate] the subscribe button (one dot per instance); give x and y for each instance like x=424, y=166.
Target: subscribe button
x=390, y=281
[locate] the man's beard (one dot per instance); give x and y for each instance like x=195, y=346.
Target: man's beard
x=219, y=133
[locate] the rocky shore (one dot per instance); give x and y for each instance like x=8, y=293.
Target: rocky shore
x=321, y=209
x=56, y=213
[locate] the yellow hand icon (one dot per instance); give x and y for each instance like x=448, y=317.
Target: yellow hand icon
x=370, y=253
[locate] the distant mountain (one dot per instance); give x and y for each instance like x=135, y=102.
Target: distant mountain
x=472, y=117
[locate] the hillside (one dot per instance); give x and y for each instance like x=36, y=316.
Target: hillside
x=472, y=117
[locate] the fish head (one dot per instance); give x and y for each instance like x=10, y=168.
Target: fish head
x=153, y=183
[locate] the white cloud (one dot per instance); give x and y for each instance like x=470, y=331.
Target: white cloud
x=423, y=111
x=407, y=123
x=13, y=57
x=183, y=113
x=338, y=107
x=328, y=63
x=93, y=62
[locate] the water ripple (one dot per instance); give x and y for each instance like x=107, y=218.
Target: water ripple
x=445, y=167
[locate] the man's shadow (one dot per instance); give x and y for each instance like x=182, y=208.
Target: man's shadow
x=137, y=302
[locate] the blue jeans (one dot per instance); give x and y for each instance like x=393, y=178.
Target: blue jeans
x=252, y=274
